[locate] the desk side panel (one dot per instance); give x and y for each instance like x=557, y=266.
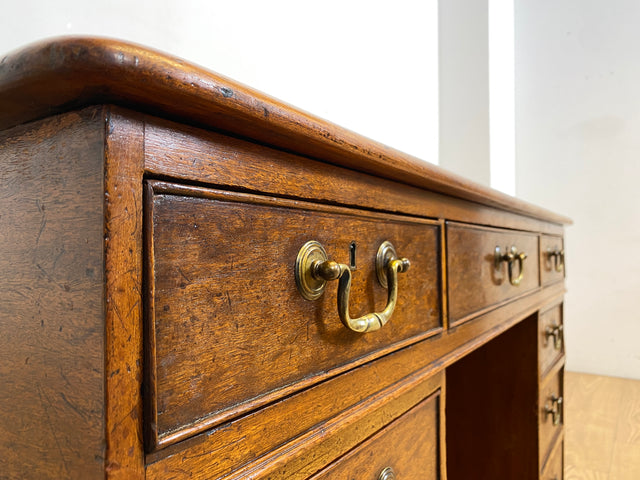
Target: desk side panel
x=51, y=298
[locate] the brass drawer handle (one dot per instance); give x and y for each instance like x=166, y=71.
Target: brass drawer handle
x=555, y=410
x=511, y=257
x=314, y=269
x=387, y=474
x=555, y=331
x=558, y=259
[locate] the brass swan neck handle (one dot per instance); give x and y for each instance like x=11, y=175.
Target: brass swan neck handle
x=512, y=257
x=558, y=259
x=370, y=322
x=314, y=269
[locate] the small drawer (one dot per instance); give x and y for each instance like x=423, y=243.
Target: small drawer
x=551, y=338
x=551, y=411
x=407, y=448
x=479, y=276
x=554, y=470
x=229, y=330
x=551, y=259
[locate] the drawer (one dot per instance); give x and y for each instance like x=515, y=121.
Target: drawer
x=554, y=470
x=551, y=259
x=229, y=330
x=550, y=338
x=405, y=449
x=551, y=410
x=475, y=280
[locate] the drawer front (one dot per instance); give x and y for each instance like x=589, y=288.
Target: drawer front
x=229, y=328
x=551, y=338
x=551, y=259
x=554, y=470
x=474, y=281
x=406, y=449
x=551, y=410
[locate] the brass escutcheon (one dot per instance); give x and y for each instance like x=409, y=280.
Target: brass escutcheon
x=310, y=285
x=313, y=270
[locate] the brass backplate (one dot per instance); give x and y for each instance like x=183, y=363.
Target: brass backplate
x=386, y=253
x=309, y=286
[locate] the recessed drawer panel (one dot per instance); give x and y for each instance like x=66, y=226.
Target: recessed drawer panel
x=551, y=259
x=480, y=275
x=551, y=338
x=407, y=448
x=228, y=328
x=551, y=411
x=554, y=470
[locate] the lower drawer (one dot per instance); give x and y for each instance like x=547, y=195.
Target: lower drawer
x=551, y=339
x=551, y=410
x=405, y=449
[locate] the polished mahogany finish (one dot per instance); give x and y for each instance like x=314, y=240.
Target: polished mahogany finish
x=152, y=214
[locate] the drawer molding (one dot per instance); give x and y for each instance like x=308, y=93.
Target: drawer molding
x=334, y=435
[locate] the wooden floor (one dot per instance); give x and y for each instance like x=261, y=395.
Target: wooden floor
x=602, y=428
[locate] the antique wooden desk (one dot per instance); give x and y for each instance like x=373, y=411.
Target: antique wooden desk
x=198, y=281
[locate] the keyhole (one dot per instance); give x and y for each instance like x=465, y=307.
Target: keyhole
x=352, y=255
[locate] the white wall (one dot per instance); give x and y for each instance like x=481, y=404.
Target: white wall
x=578, y=151
x=464, y=88
x=477, y=124
x=368, y=65
x=502, y=126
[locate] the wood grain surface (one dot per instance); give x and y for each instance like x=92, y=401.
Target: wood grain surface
x=229, y=323
x=602, y=427
x=51, y=298
x=123, y=294
x=56, y=75
x=245, y=442
x=191, y=154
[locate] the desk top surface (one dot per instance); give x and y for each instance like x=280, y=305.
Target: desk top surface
x=64, y=74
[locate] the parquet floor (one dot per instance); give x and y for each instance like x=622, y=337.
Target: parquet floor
x=602, y=428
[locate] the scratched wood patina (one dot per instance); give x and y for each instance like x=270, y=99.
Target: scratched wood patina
x=51, y=299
